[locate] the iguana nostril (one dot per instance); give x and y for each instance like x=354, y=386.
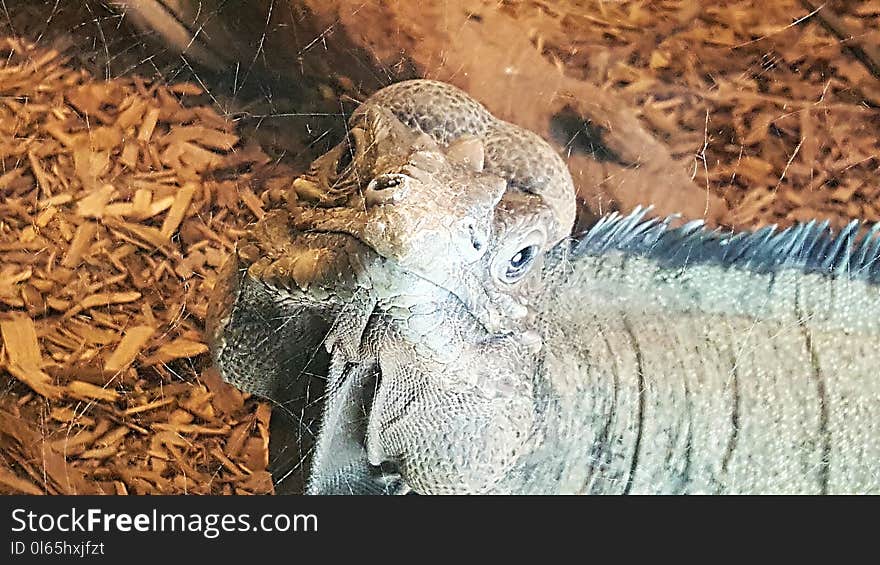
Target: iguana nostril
x=385, y=188
x=477, y=239
x=384, y=182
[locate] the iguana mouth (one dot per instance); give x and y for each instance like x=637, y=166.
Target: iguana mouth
x=389, y=295
x=309, y=256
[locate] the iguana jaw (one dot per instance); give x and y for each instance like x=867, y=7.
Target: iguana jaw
x=399, y=334
x=343, y=286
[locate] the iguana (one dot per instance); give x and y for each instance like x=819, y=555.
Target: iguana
x=471, y=344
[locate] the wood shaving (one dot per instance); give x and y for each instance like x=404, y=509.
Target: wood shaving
x=102, y=299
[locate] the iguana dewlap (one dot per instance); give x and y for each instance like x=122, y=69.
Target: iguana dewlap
x=424, y=268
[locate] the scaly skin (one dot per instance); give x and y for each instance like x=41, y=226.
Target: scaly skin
x=680, y=395
x=423, y=268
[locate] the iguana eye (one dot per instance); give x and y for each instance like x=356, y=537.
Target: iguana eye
x=520, y=263
x=518, y=257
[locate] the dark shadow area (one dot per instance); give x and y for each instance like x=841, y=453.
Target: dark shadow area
x=576, y=135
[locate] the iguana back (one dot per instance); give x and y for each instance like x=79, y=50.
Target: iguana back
x=721, y=363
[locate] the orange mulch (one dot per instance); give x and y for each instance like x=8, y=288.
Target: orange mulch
x=118, y=202
x=760, y=100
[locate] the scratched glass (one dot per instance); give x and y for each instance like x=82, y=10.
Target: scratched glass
x=574, y=246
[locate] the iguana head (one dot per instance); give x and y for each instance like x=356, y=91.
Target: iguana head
x=422, y=250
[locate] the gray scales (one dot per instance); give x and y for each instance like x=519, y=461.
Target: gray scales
x=419, y=290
